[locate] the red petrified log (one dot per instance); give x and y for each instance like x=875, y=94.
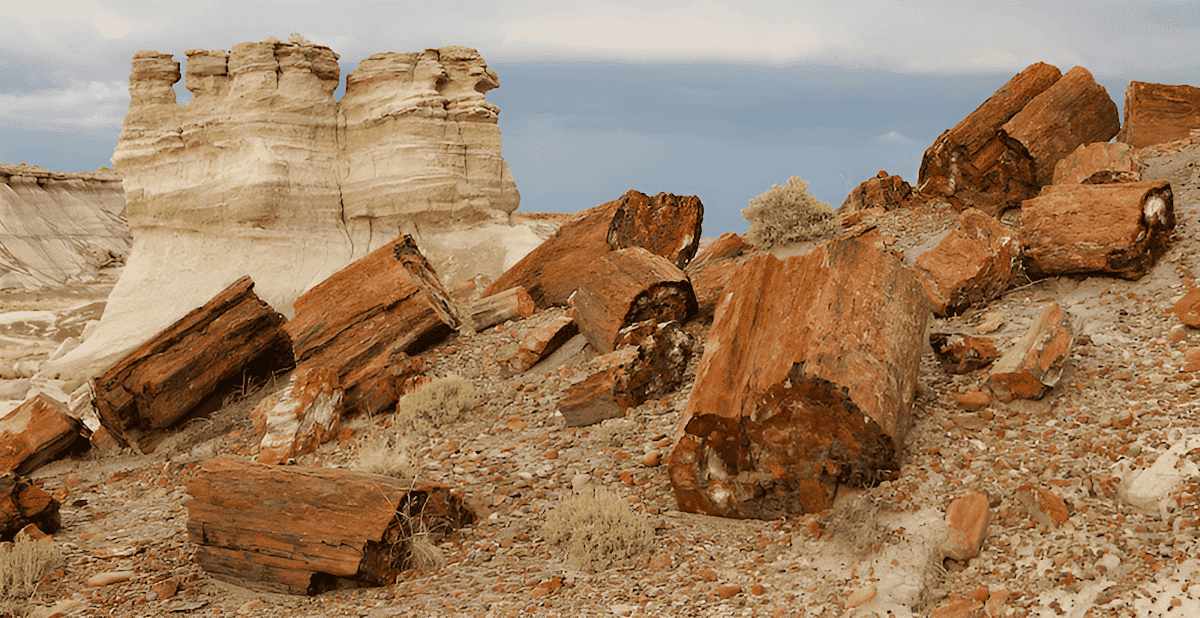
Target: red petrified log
x=354, y=321
x=497, y=308
x=628, y=286
x=1099, y=163
x=35, y=432
x=1120, y=228
x=807, y=381
x=972, y=264
x=1157, y=113
x=1035, y=363
x=232, y=335
x=713, y=268
x=299, y=418
x=295, y=530
x=422, y=273
x=1074, y=111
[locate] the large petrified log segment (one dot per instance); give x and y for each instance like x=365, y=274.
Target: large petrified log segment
x=713, y=268
x=1157, y=113
x=422, y=273
x=299, y=418
x=1074, y=111
x=233, y=335
x=355, y=320
x=1099, y=163
x=35, y=432
x=667, y=225
x=827, y=343
x=628, y=286
x=22, y=504
x=977, y=163
x=1120, y=229
x=972, y=264
x=1035, y=362
x=296, y=530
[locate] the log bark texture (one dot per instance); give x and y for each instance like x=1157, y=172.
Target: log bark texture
x=212, y=347
x=295, y=530
x=35, y=432
x=422, y=273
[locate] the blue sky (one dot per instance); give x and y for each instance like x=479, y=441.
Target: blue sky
x=716, y=99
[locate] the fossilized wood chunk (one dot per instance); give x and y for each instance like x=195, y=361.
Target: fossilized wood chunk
x=35, y=432
x=296, y=530
x=1099, y=163
x=22, y=504
x=882, y=191
x=713, y=268
x=972, y=264
x=1157, y=113
x=1034, y=364
x=962, y=353
x=406, y=251
x=498, y=308
x=300, y=417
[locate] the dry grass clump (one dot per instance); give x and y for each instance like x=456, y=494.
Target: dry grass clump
x=389, y=457
x=435, y=404
x=598, y=530
x=785, y=215
x=22, y=566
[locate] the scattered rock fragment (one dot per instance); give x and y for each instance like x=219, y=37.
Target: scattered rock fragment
x=1034, y=363
x=1044, y=506
x=962, y=353
x=36, y=432
x=1188, y=308
x=967, y=518
x=22, y=504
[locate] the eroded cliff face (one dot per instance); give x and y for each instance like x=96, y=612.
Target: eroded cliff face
x=59, y=228
x=265, y=174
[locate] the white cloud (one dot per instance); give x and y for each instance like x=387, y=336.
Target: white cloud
x=893, y=138
x=82, y=105
x=112, y=27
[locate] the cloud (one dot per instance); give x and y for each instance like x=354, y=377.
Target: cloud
x=112, y=27
x=83, y=106
x=892, y=138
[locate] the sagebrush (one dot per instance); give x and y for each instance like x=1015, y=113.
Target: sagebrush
x=435, y=404
x=598, y=530
x=23, y=564
x=788, y=214
x=389, y=457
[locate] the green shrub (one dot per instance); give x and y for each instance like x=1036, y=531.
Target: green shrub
x=598, y=530
x=22, y=566
x=785, y=215
x=435, y=404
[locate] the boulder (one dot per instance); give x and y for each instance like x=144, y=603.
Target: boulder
x=962, y=353
x=22, y=504
x=268, y=528
x=1187, y=308
x=1120, y=229
x=628, y=286
x=1074, y=111
x=967, y=519
x=807, y=381
x=882, y=191
x=35, y=432
x=232, y=337
x=354, y=321
x=1099, y=163
x=299, y=418
x=713, y=268
x=971, y=265
x=1157, y=113
x=975, y=163
x=667, y=225
x=1035, y=362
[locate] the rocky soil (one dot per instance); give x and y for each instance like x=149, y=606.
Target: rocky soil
x=1123, y=402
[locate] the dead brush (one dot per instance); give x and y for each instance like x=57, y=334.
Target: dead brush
x=856, y=525
x=23, y=564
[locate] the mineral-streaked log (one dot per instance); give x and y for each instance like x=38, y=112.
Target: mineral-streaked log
x=232, y=335
x=497, y=308
x=972, y=264
x=300, y=417
x=807, y=381
x=1157, y=113
x=1121, y=229
x=295, y=530
x=35, y=432
x=629, y=286
x=1034, y=363
x=406, y=251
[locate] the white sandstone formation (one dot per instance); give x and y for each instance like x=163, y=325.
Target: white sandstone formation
x=264, y=174
x=58, y=228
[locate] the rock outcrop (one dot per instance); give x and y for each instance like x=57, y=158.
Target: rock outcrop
x=58, y=228
x=265, y=174
x=1157, y=113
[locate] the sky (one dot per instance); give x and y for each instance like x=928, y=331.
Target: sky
x=697, y=97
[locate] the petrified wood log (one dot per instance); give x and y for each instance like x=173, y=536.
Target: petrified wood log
x=541, y=343
x=1035, y=362
x=233, y=335
x=297, y=419
x=35, y=432
x=972, y=264
x=1157, y=113
x=354, y=321
x=1121, y=229
x=807, y=381
x=295, y=530
x=1099, y=163
x=422, y=273
x=629, y=286
x=713, y=268
x=497, y=308
x=22, y=504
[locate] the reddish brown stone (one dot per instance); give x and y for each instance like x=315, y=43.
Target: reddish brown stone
x=713, y=268
x=1188, y=308
x=967, y=518
x=35, y=432
x=510, y=304
x=1074, y=111
x=299, y=418
x=541, y=342
x=962, y=353
x=976, y=164
x=1099, y=163
x=354, y=321
x=268, y=528
x=1035, y=362
x=1044, y=506
x=807, y=381
x=973, y=401
x=958, y=606
x=421, y=271
x=882, y=191
x=1157, y=113
x=22, y=504
x=971, y=265
x=211, y=348
x=1121, y=229
x=666, y=225
x=628, y=286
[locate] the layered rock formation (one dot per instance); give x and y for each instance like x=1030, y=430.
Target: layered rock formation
x=264, y=174
x=58, y=228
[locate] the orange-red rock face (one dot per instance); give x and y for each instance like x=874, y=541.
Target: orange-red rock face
x=1099, y=163
x=972, y=264
x=820, y=350
x=1157, y=113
